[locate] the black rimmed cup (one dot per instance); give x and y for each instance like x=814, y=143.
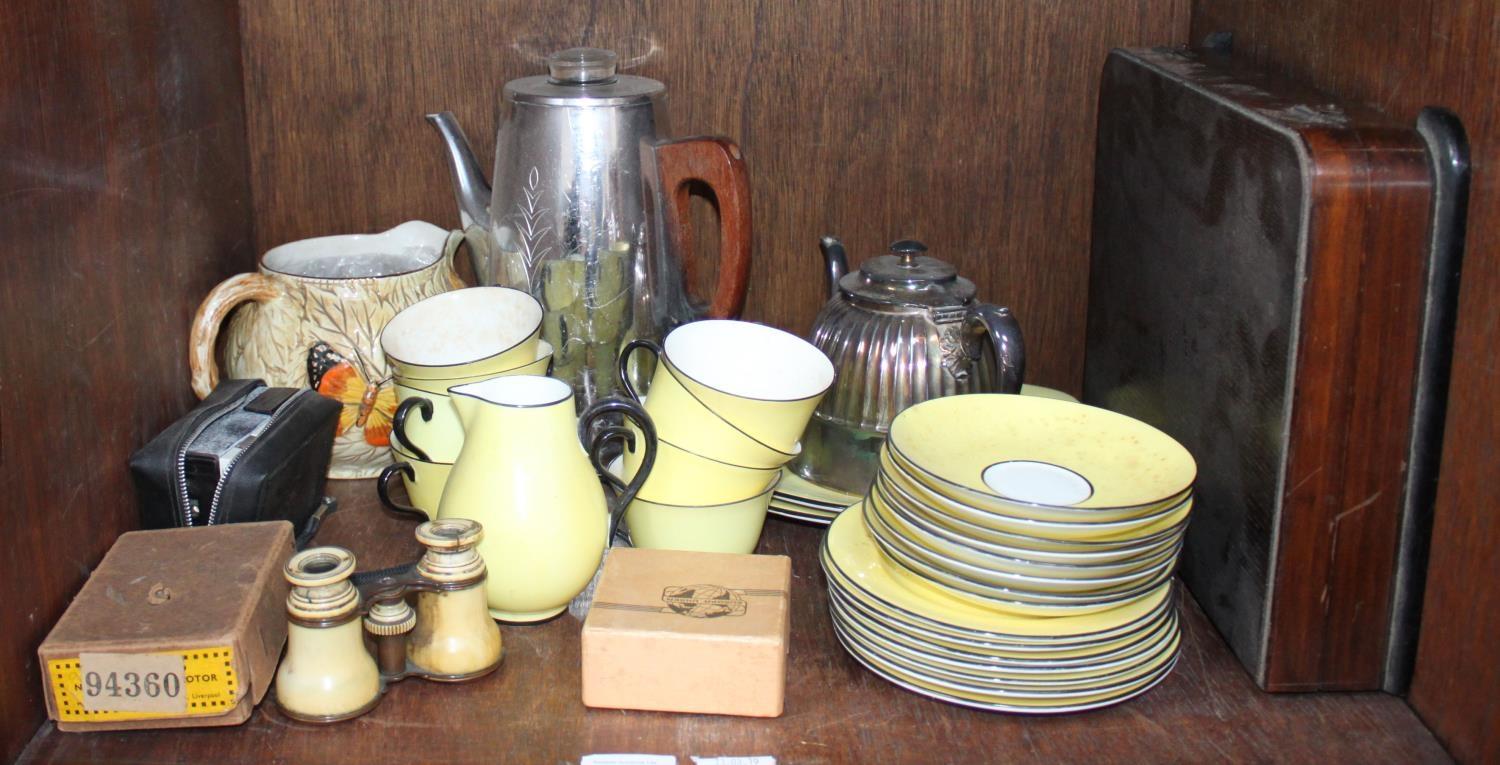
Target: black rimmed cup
x=762, y=381
x=424, y=483
x=463, y=333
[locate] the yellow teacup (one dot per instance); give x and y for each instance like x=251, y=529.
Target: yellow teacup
x=540, y=365
x=424, y=484
x=729, y=527
x=463, y=333
x=435, y=434
x=761, y=381
x=692, y=426
x=680, y=477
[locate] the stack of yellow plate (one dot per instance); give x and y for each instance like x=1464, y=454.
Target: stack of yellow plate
x=1015, y=553
x=799, y=499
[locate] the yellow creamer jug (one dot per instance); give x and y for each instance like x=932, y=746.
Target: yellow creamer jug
x=524, y=474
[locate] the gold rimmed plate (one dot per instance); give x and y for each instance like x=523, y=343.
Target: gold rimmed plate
x=1008, y=649
x=978, y=650
x=1100, y=702
x=1000, y=558
x=1019, y=702
x=893, y=463
x=1173, y=525
x=787, y=499
x=1125, y=530
x=799, y=488
x=794, y=515
x=1014, y=600
x=888, y=536
x=999, y=690
x=854, y=556
x=1142, y=646
x=1041, y=453
x=984, y=676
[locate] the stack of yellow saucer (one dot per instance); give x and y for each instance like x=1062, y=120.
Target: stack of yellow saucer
x=1015, y=553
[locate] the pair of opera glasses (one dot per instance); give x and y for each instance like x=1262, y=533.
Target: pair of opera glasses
x=328, y=675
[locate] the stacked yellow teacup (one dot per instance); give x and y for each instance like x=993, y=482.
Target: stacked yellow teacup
x=730, y=400
x=451, y=339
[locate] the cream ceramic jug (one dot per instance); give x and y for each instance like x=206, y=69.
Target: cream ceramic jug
x=311, y=316
x=524, y=474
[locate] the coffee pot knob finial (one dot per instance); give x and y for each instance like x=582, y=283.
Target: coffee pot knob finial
x=582, y=66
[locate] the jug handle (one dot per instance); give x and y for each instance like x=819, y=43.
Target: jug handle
x=1004, y=335
x=383, y=489
x=398, y=423
x=633, y=412
x=204, y=337
x=623, y=367
x=718, y=163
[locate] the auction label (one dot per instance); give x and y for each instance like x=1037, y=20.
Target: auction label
x=99, y=687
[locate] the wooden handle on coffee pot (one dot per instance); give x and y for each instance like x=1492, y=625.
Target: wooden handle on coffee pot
x=717, y=163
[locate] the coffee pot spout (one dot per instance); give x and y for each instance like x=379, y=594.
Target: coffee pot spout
x=468, y=180
x=835, y=261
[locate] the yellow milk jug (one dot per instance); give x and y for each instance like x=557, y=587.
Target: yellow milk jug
x=523, y=473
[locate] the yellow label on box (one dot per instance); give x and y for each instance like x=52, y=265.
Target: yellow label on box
x=100, y=687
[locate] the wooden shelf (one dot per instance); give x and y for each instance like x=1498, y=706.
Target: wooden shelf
x=1207, y=710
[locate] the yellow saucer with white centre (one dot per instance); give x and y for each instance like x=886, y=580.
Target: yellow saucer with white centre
x=1060, y=459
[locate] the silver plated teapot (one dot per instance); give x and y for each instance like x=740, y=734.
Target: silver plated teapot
x=903, y=329
x=589, y=212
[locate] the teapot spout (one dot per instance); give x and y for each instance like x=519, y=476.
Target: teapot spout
x=835, y=261
x=468, y=181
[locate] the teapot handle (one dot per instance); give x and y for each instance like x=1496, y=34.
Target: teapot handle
x=623, y=365
x=1004, y=334
x=716, y=162
x=633, y=412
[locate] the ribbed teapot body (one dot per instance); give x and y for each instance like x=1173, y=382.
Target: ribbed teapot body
x=889, y=357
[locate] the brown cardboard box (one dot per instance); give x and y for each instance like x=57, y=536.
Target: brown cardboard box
x=177, y=628
x=681, y=631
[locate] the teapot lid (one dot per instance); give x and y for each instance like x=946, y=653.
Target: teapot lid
x=583, y=77
x=908, y=277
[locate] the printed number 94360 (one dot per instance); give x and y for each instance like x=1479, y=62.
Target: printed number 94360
x=132, y=685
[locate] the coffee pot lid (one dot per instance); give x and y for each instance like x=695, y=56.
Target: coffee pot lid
x=583, y=77
x=908, y=277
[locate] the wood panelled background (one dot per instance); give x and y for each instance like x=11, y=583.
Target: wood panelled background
x=123, y=198
x=138, y=140
x=1402, y=55
x=969, y=125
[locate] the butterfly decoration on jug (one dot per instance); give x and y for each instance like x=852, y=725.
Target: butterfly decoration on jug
x=370, y=406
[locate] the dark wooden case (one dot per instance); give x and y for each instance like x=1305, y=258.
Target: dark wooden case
x=1257, y=290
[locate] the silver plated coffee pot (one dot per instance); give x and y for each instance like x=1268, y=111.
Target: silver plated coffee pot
x=589, y=212
x=903, y=329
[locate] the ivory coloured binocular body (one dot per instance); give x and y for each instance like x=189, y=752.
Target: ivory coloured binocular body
x=328, y=675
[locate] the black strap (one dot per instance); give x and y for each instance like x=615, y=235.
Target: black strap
x=362, y=578
x=327, y=507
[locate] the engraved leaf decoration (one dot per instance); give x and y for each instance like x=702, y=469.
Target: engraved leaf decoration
x=530, y=217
